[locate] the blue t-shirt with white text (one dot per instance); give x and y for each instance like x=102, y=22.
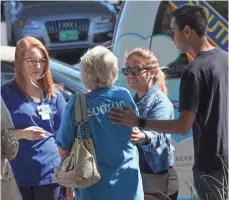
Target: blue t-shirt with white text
x=117, y=157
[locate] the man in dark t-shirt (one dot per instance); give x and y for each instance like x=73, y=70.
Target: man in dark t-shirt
x=203, y=90
x=203, y=103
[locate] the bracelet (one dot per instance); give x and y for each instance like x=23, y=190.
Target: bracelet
x=142, y=122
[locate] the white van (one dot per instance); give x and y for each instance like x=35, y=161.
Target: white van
x=145, y=24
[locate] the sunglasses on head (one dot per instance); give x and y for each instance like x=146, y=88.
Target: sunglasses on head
x=135, y=70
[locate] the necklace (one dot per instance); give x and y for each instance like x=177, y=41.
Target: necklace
x=35, y=98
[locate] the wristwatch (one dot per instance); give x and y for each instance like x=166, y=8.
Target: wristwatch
x=142, y=121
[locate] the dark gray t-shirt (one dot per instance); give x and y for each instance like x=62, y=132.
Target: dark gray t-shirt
x=204, y=90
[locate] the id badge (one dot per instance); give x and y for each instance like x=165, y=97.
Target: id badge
x=46, y=108
x=44, y=111
x=45, y=116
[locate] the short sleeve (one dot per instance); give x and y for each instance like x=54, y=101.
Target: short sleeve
x=67, y=132
x=132, y=103
x=190, y=90
x=60, y=106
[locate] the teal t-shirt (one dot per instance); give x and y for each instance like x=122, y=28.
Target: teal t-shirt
x=117, y=157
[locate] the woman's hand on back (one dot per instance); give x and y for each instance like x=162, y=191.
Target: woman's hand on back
x=31, y=133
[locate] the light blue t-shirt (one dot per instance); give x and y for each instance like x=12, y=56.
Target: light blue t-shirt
x=117, y=157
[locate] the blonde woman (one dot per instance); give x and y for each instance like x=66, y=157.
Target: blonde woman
x=117, y=157
x=143, y=74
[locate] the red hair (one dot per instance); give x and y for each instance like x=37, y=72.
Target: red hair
x=46, y=82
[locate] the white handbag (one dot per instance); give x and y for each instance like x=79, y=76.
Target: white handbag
x=79, y=169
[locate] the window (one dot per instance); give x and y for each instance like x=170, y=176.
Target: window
x=221, y=7
x=7, y=72
x=162, y=26
x=70, y=84
x=66, y=76
x=117, y=22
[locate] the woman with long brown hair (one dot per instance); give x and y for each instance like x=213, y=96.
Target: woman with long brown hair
x=144, y=75
x=36, y=108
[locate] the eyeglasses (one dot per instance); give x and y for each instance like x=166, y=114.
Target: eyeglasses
x=135, y=70
x=33, y=62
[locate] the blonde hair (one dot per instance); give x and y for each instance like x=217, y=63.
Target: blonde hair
x=46, y=81
x=152, y=61
x=99, y=68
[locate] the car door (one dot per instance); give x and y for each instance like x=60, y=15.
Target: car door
x=66, y=77
x=68, y=84
x=7, y=71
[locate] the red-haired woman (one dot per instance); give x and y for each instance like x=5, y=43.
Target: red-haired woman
x=36, y=107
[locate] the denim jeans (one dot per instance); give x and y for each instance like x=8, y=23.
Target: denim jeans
x=211, y=186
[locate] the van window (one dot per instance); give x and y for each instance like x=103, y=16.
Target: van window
x=162, y=26
x=117, y=21
x=7, y=71
x=221, y=7
x=176, y=68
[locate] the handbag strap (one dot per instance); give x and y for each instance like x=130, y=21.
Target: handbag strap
x=81, y=115
x=84, y=108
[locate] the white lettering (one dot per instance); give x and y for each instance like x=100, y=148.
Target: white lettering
x=94, y=110
x=121, y=103
x=104, y=108
x=90, y=112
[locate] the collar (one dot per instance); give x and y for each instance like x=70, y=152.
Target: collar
x=152, y=90
x=14, y=86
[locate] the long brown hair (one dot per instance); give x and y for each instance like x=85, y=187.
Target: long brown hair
x=152, y=61
x=46, y=82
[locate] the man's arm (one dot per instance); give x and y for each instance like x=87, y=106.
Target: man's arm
x=180, y=126
x=189, y=100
